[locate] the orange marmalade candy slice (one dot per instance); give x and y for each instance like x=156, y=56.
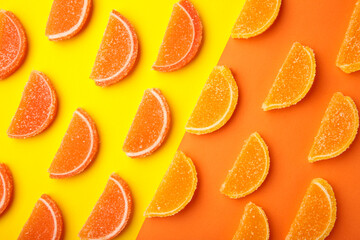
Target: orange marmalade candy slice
x=348, y=58
x=253, y=224
x=78, y=147
x=13, y=43
x=294, y=79
x=317, y=214
x=176, y=188
x=337, y=130
x=150, y=125
x=111, y=212
x=117, y=53
x=250, y=168
x=182, y=38
x=67, y=18
x=255, y=18
x=216, y=103
x=45, y=221
x=37, y=108
x=6, y=187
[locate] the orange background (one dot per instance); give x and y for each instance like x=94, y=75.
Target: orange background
x=289, y=132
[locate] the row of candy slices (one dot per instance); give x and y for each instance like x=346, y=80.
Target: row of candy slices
x=218, y=101
x=37, y=110
x=113, y=209
x=258, y=15
x=318, y=208
x=119, y=48
x=215, y=106
x=108, y=218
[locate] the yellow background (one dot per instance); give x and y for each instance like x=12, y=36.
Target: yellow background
x=68, y=65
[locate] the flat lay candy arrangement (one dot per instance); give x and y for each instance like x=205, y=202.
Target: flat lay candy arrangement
x=215, y=110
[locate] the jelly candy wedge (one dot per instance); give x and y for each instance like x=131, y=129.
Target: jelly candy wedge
x=118, y=52
x=67, y=18
x=176, y=188
x=45, y=221
x=111, y=212
x=78, y=147
x=37, y=108
x=250, y=168
x=317, y=214
x=182, y=38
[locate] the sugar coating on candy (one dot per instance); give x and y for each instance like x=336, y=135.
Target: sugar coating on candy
x=176, y=188
x=67, y=18
x=45, y=221
x=253, y=224
x=337, y=130
x=13, y=43
x=182, y=38
x=37, y=108
x=6, y=187
x=111, y=212
x=255, y=17
x=317, y=214
x=118, y=51
x=348, y=58
x=150, y=125
x=294, y=79
x=216, y=103
x=250, y=168
x=78, y=147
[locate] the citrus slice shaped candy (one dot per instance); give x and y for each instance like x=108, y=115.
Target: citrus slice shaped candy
x=150, y=125
x=216, y=103
x=118, y=51
x=317, y=214
x=255, y=18
x=78, y=147
x=45, y=221
x=111, y=212
x=6, y=187
x=67, y=18
x=176, y=188
x=294, y=79
x=250, y=168
x=337, y=130
x=37, y=108
x=13, y=43
x=348, y=58
x=182, y=38
x=253, y=224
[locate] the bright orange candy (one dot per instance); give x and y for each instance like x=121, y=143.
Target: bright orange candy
x=118, y=51
x=250, y=168
x=37, y=108
x=253, y=224
x=255, y=18
x=78, y=147
x=182, y=38
x=216, y=103
x=294, y=79
x=67, y=18
x=176, y=188
x=337, y=130
x=13, y=43
x=317, y=214
x=6, y=187
x=348, y=58
x=150, y=125
x=45, y=221
x=111, y=213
